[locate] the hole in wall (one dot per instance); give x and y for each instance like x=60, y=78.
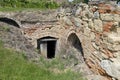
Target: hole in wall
x=47, y=46
x=51, y=46
x=74, y=41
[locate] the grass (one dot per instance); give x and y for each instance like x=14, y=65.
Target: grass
x=11, y=9
x=13, y=66
x=16, y=5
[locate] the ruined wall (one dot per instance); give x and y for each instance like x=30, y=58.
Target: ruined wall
x=98, y=28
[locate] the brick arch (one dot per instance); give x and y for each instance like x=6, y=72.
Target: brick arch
x=44, y=34
x=68, y=33
x=73, y=31
x=74, y=40
x=10, y=21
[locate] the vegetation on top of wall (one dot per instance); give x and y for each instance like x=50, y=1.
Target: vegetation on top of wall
x=42, y=4
x=13, y=5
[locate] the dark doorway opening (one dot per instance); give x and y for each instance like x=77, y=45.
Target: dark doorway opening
x=51, y=45
x=9, y=21
x=47, y=46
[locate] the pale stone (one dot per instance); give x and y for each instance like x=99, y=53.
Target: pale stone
x=96, y=15
x=85, y=24
x=117, y=17
x=111, y=68
x=78, y=11
x=113, y=37
x=77, y=22
x=117, y=54
x=90, y=24
x=98, y=25
x=98, y=55
x=116, y=62
x=67, y=21
x=110, y=46
x=104, y=56
x=118, y=30
x=116, y=24
x=84, y=17
x=92, y=36
x=87, y=31
x=67, y=10
x=107, y=17
x=95, y=77
x=116, y=47
x=61, y=11
x=95, y=46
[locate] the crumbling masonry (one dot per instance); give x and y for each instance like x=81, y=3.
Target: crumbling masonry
x=93, y=31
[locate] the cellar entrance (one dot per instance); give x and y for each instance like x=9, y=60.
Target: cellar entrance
x=51, y=45
x=47, y=46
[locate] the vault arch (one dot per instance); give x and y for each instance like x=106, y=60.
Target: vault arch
x=10, y=21
x=74, y=41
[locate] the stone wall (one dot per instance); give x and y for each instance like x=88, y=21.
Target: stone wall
x=97, y=27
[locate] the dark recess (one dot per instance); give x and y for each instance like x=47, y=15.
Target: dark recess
x=51, y=46
x=75, y=42
x=9, y=21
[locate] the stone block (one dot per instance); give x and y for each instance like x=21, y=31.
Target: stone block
x=77, y=22
x=114, y=38
x=118, y=30
x=67, y=21
x=98, y=25
x=90, y=24
x=116, y=47
x=92, y=36
x=107, y=17
x=111, y=68
x=116, y=17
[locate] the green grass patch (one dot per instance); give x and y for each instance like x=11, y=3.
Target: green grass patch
x=54, y=63
x=14, y=5
x=11, y=9
x=13, y=66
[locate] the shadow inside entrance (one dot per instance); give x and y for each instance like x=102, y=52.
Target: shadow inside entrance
x=47, y=46
x=74, y=41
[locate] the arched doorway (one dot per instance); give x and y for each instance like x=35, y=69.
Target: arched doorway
x=47, y=46
x=74, y=41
